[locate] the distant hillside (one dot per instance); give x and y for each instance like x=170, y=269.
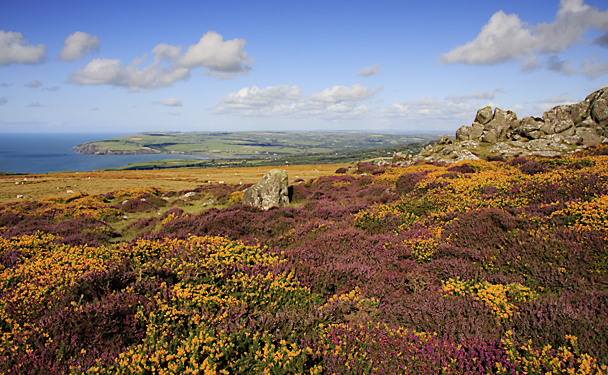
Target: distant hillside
x=385, y=153
x=246, y=144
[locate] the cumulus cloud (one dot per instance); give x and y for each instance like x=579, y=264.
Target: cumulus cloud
x=170, y=102
x=34, y=84
x=77, y=45
x=54, y=88
x=35, y=105
x=506, y=38
x=222, y=59
x=370, y=70
x=15, y=49
x=287, y=100
x=3, y=100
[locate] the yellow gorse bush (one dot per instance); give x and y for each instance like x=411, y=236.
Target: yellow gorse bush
x=501, y=298
x=47, y=269
x=185, y=335
x=567, y=359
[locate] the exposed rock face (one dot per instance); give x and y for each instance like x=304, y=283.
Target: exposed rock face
x=446, y=150
x=272, y=191
x=562, y=129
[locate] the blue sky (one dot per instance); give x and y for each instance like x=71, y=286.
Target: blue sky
x=418, y=67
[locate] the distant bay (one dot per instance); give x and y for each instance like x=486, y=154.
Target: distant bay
x=43, y=153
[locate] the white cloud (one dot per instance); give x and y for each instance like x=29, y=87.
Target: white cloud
x=544, y=105
x=94, y=109
x=3, y=100
x=77, y=45
x=35, y=105
x=560, y=99
x=506, y=38
x=170, y=102
x=338, y=102
x=434, y=111
x=486, y=95
x=34, y=84
x=370, y=70
x=222, y=59
x=339, y=94
x=174, y=113
x=15, y=49
x=593, y=68
x=502, y=39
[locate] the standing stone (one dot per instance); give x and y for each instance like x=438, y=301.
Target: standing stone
x=272, y=191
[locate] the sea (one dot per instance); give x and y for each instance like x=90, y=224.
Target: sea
x=44, y=153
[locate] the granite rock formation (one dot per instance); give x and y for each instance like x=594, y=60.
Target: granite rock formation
x=562, y=129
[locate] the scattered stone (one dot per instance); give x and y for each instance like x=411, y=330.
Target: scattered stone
x=189, y=194
x=69, y=191
x=20, y=196
x=271, y=191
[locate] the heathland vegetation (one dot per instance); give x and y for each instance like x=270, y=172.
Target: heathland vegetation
x=476, y=267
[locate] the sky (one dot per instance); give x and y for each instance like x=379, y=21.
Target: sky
x=377, y=66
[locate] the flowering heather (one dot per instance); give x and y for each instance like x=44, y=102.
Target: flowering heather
x=474, y=267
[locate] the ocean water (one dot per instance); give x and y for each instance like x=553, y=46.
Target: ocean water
x=42, y=153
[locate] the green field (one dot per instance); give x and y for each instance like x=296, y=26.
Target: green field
x=385, y=153
x=249, y=144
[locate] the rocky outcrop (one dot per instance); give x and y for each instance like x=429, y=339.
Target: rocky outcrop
x=562, y=129
x=584, y=123
x=446, y=150
x=272, y=191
